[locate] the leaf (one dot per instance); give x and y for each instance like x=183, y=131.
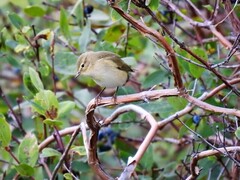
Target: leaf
x=34, y=11
x=65, y=63
x=45, y=103
x=28, y=150
x=24, y=170
x=114, y=33
x=183, y=63
x=15, y=20
x=237, y=133
x=197, y=71
x=11, y=60
x=65, y=107
x=3, y=2
x=205, y=130
x=153, y=4
x=80, y=150
x=160, y=108
x=147, y=159
x=36, y=81
x=85, y=37
x=208, y=7
x=183, y=130
x=22, y=3
x=177, y=103
x=49, y=152
x=154, y=78
x=64, y=27
x=68, y=176
x=77, y=11
x=53, y=122
x=115, y=15
x=5, y=133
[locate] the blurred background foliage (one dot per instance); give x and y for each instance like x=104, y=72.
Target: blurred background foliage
x=36, y=36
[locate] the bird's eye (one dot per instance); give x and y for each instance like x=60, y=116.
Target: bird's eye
x=82, y=65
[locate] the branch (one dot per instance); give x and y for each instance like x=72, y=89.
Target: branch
x=65, y=153
x=204, y=154
x=51, y=138
x=190, y=106
x=132, y=161
x=153, y=34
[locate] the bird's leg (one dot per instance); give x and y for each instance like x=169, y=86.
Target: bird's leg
x=98, y=97
x=115, y=96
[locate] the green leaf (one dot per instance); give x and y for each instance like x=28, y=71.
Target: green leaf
x=28, y=150
x=209, y=7
x=65, y=107
x=68, y=176
x=49, y=152
x=64, y=27
x=153, y=4
x=80, y=150
x=3, y=2
x=177, y=103
x=77, y=11
x=147, y=159
x=160, y=108
x=34, y=11
x=15, y=20
x=237, y=133
x=28, y=84
x=24, y=170
x=197, y=71
x=114, y=33
x=65, y=63
x=183, y=130
x=205, y=130
x=22, y=3
x=115, y=15
x=10, y=59
x=36, y=81
x=53, y=122
x=5, y=133
x=44, y=68
x=85, y=37
x=45, y=103
x=154, y=78
x=182, y=62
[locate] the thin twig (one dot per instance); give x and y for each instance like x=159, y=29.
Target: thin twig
x=74, y=135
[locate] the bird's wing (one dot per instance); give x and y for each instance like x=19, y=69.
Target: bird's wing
x=115, y=58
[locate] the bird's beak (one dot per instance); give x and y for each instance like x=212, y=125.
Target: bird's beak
x=78, y=73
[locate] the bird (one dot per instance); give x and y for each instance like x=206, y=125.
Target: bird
x=106, y=68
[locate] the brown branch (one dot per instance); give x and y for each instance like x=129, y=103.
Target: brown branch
x=207, y=153
x=210, y=107
x=51, y=138
x=232, y=16
x=132, y=162
x=182, y=45
x=153, y=34
x=94, y=126
x=65, y=153
x=206, y=24
x=190, y=106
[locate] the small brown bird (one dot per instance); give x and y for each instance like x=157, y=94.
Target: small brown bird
x=107, y=69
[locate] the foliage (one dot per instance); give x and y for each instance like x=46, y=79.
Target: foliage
x=42, y=103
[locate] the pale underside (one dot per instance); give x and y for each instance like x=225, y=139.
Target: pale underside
x=105, y=75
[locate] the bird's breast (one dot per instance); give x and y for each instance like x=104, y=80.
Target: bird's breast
x=109, y=76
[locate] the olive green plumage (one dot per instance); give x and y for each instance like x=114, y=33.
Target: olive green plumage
x=107, y=69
